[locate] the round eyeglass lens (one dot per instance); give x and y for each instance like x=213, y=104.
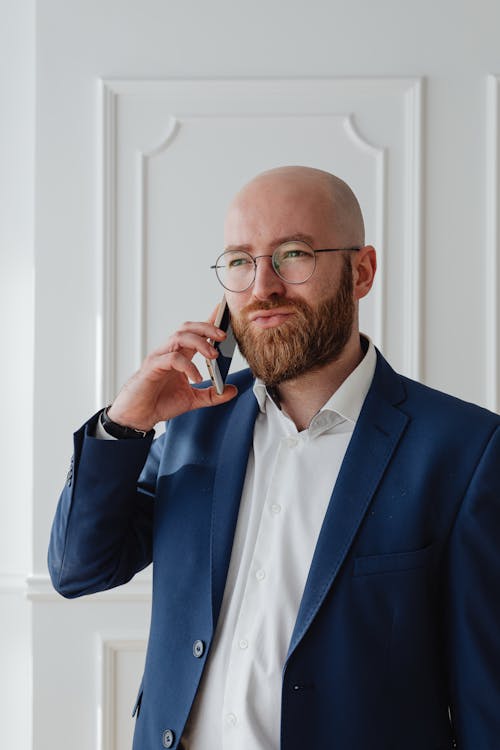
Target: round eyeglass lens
x=235, y=270
x=294, y=262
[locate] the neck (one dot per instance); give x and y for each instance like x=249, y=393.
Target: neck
x=303, y=397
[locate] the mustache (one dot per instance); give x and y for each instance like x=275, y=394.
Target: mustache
x=274, y=303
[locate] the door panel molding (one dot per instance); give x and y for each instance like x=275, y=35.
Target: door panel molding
x=381, y=122
x=492, y=281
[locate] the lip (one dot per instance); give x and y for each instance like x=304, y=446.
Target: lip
x=269, y=318
x=277, y=311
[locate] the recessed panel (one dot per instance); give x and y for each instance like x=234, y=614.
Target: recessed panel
x=179, y=152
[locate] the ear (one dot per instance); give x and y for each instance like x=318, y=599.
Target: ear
x=364, y=266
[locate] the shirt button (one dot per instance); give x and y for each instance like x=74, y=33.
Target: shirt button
x=198, y=649
x=231, y=720
x=260, y=575
x=275, y=508
x=243, y=643
x=292, y=442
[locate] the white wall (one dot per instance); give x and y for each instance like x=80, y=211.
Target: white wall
x=453, y=47
x=17, y=131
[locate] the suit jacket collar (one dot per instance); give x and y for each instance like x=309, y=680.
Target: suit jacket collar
x=228, y=486
x=375, y=437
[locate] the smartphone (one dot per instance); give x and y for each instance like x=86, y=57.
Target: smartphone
x=219, y=368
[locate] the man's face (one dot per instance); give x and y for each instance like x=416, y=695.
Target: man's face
x=284, y=330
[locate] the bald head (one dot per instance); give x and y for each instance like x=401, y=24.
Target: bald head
x=327, y=199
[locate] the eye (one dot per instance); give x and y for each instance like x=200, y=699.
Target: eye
x=290, y=252
x=293, y=253
x=238, y=262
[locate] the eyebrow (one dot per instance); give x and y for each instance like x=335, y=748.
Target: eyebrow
x=296, y=236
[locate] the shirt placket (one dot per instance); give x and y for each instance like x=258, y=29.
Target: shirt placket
x=252, y=635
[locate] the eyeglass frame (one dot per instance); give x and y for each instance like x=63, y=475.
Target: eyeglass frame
x=254, y=259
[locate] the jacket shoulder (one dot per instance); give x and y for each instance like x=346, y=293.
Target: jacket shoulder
x=445, y=403
x=424, y=403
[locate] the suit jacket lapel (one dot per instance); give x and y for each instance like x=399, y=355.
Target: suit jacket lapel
x=228, y=486
x=377, y=432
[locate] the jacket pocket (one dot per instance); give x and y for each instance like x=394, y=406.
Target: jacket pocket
x=394, y=562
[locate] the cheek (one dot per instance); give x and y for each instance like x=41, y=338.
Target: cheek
x=322, y=289
x=236, y=302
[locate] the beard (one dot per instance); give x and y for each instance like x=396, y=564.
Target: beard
x=312, y=338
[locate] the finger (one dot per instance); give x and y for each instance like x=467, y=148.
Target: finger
x=178, y=362
x=187, y=343
x=190, y=335
x=206, y=329
x=210, y=397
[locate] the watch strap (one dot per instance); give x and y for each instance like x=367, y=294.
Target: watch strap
x=121, y=432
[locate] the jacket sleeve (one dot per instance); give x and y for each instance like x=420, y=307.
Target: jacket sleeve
x=102, y=531
x=473, y=608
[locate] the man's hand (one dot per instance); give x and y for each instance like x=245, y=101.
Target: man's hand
x=161, y=389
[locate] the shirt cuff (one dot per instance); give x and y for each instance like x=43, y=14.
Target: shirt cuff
x=100, y=433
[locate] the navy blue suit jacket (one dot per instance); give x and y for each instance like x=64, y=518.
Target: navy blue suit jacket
x=399, y=625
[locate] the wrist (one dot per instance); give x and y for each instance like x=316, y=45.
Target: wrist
x=122, y=431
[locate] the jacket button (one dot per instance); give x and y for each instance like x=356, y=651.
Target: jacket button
x=198, y=649
x=168, y=738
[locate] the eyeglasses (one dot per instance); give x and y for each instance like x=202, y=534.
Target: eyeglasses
x=294, y=262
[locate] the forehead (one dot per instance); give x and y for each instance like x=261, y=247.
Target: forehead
x=272, y=208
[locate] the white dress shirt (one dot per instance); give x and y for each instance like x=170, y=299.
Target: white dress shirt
x=288, y=484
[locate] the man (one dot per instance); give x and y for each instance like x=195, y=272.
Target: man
x=325, y=539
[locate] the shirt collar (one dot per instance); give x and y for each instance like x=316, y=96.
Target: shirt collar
x=349, y=397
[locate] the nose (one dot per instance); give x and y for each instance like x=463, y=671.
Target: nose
x=267, y=282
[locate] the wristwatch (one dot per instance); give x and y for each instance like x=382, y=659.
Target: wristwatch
x=120, y=431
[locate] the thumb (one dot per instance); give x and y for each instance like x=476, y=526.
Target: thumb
x=210, y=397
